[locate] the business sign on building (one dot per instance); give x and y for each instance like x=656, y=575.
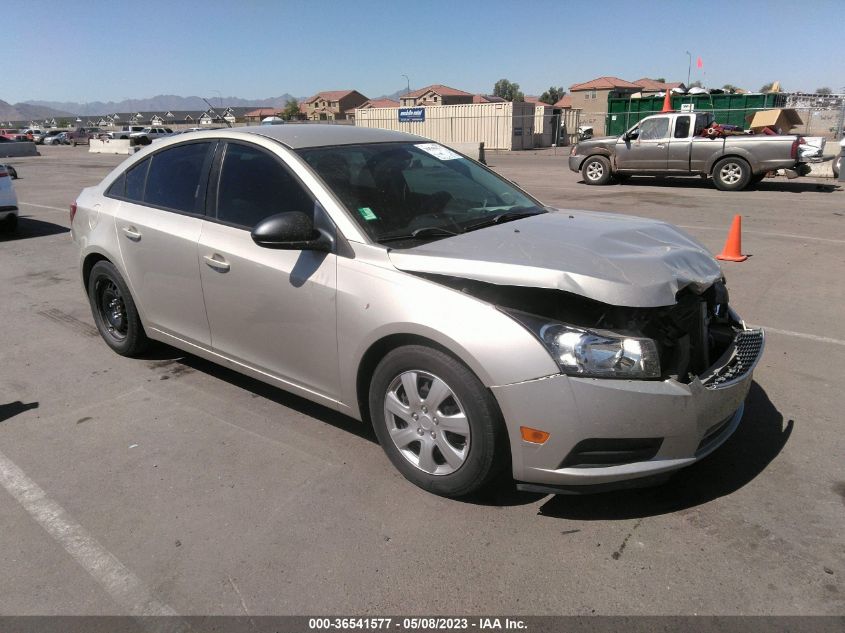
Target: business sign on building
x=408, y=115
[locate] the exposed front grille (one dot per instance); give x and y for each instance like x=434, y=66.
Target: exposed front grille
x=748, y=345
x=603, y=452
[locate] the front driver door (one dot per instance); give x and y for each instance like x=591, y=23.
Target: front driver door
x=272, y=310
x=649, y=151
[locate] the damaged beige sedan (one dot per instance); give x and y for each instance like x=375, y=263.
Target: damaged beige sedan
x=389, y=278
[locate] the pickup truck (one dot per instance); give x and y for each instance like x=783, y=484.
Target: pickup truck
x=125, y=131
x=676, y=144
x=148, y=134
x=82, y=135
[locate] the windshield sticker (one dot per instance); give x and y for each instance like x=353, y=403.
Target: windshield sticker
x=367, y=214
x=438, y=151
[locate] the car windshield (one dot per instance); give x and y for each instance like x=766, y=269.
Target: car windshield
x=407, y=193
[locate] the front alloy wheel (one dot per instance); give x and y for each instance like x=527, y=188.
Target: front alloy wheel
x=596, y=170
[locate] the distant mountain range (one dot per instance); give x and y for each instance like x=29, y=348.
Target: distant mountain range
x=35, y=110
x=28, y=111
x=159, y=103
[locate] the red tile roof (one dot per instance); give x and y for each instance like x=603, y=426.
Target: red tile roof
x=564, y=102
x=487, y=99
x=261, y=112
x=536, y=100
x=443, y=91
x=604, y=83
x=650, y=84
x=330, y=95
x=379, y=103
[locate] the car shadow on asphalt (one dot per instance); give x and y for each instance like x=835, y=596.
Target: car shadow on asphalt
x=30, y=227
x=767, y=184
x=759, y=438
x=11, y=409
x=164, y=357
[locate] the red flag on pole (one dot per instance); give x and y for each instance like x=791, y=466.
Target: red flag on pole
x=699, y=63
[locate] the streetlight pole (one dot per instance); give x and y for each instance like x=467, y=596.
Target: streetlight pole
x=689, y=67
x=409, y=84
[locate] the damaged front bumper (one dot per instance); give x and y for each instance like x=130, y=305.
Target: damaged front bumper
x=613, y=433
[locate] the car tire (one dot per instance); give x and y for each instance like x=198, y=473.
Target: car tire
x=596, y=170
x=9, y=224
x=115, y=314
x=460, y=442
x=731, y=174
x=13, y=174
x=837, y=165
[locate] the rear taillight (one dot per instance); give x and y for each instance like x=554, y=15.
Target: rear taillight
x=799, y=140
x=72, y=212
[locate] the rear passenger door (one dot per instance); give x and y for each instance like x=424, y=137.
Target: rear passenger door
x=158, y=225
x=272, y=310
x=679, y=144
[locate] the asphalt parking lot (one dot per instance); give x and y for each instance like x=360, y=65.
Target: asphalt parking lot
x=167, y=484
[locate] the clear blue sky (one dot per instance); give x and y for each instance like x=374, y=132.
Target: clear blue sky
x=102, y=50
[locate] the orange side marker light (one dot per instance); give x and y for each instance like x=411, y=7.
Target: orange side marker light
x=535, y=436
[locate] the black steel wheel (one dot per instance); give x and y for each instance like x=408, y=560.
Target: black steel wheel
x=114, y=310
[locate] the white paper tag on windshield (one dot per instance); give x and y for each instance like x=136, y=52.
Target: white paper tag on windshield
x=438, y=151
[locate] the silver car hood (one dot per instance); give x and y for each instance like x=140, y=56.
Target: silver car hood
x=616, y=259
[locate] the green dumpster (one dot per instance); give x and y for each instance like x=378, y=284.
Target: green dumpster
x=729, y=109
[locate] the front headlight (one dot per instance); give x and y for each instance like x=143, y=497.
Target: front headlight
x=598, y=354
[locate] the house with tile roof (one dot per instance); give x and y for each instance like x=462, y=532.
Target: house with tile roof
x=435, y=95
x=652, y=86
x=379, y=103
x=332, y=105
x=591, y=98
x=488, y=99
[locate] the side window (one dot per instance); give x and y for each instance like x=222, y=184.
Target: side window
x=654, y=129
x=135, y=179
x=254, y=185
x=175, y=177
x=682, y=127
x=118, y=187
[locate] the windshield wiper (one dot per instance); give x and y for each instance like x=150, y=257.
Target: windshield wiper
x=425, y=231
x=507, y=216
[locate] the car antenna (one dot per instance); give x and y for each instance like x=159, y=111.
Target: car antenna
x=211, y=107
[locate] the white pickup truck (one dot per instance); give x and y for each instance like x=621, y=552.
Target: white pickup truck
x=149, y=134
x=675, y=144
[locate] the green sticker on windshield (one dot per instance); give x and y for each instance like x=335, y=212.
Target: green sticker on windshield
x=367, y=213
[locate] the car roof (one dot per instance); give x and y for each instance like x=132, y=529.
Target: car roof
x=302, y=135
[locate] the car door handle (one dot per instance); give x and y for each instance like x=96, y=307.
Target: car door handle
x=217, y=262
x=661, y=145
x=132, y=233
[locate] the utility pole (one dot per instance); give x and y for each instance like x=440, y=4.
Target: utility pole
x=409, y=84
x=689, y=67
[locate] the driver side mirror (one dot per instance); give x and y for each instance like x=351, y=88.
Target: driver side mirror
x=292, y=231
x=632, y=135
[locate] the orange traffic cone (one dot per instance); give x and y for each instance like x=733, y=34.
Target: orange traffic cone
x=732, y=252
x=667, y=101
